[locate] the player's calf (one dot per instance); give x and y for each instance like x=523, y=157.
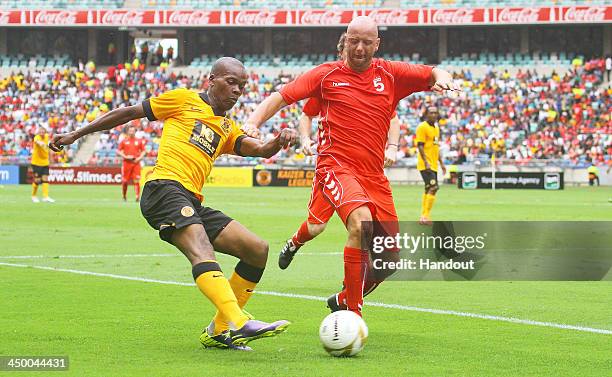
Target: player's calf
x=305, y=233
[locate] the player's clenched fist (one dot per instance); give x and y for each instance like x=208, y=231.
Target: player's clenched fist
x=60, y=140
x=287, y=137
x=251, y=130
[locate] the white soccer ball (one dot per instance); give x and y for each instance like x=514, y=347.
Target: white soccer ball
x=343, y=333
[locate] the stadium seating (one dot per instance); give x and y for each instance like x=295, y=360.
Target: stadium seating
x=286, y=61
x=61, y=4
x=39, y=61
x=260, y=4
x=518, y=117
x=509, y=59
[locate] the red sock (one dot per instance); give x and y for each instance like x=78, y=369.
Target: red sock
x=370, y=285
x=355, y=267
x=124, y=188
x=137, y=189
x=302, y=235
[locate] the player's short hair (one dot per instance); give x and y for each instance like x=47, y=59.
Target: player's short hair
x=340, y=45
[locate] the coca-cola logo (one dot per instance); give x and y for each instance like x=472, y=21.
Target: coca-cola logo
x=389, y=17
x=453, y=16
x=263, y=17
x=329, y=17
x=132, y=17
x=590, y=14
x=50, y=17
x=197, y=17
x=520, y=15
x=4, y=17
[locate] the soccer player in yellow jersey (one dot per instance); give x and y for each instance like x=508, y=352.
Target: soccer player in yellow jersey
x=427, y=139
x=196, y=131
x=40, y=165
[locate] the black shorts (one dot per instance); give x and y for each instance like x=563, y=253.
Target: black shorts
x=40, y=170
x=167, y=205
x=430, y=177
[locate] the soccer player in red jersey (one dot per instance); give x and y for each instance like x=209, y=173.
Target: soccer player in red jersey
x=319, y=209
x=132, y=150
x=359, y=94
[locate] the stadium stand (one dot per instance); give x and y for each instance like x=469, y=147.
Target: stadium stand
x=515, y=59
x=61, y=4
x=518, y=117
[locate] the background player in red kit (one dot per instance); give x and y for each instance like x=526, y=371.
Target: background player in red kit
x=132, y=150
x=359, y=95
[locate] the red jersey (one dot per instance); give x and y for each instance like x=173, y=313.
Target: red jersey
x=132, y=147
x=312, y=108
x=357, y=108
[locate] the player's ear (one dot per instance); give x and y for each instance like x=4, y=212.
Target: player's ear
x=211, y=77
x=377, y=44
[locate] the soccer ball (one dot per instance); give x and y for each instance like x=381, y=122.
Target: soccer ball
x=343, y=333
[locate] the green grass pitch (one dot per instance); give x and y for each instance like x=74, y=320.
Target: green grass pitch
x=109, y=326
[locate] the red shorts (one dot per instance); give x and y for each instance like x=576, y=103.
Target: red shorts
x=342, y=191
x=130, y=171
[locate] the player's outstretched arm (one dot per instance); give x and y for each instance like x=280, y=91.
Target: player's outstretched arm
x=251, y=147
x=442, y=80
x=107, y=121
x=262, y=113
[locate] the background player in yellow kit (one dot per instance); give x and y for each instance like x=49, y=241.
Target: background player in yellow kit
x=427, y=139
x=40, y=165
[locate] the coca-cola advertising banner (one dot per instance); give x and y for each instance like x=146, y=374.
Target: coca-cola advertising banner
x=305, y=17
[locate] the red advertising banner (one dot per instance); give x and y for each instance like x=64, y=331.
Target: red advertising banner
x=194, y=17
x=513, y=15
x=459, y=16
x=397, y=16
x=325, y=17
x=53, y=17
x=128, y=17
x=305, y=17
x=261, y=17
x=592, y=14
x=8, y=17
x=84, y=175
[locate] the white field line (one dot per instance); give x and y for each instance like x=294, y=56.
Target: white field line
x=83, y=256
x=319, y=298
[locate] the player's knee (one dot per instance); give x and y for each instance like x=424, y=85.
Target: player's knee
x=433, y=190
x=259, y=252
x=360, y=224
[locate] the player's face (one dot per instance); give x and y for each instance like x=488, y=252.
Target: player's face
x=227, y=87
x=131, y=132
x=359, y=49
x=432, y=115
x=42, y=131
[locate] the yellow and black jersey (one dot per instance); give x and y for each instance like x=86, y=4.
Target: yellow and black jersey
x=192, y=137
x=428, y=135
x=40, y=154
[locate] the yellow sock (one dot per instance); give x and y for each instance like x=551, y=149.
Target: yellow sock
x=34, y=189
x=45, y=189
x=218, y=290
x=430, y=202
x=243, y=290
x=424, y=206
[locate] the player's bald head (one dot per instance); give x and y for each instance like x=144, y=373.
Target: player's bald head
x=363, y=25
x=227, y=65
